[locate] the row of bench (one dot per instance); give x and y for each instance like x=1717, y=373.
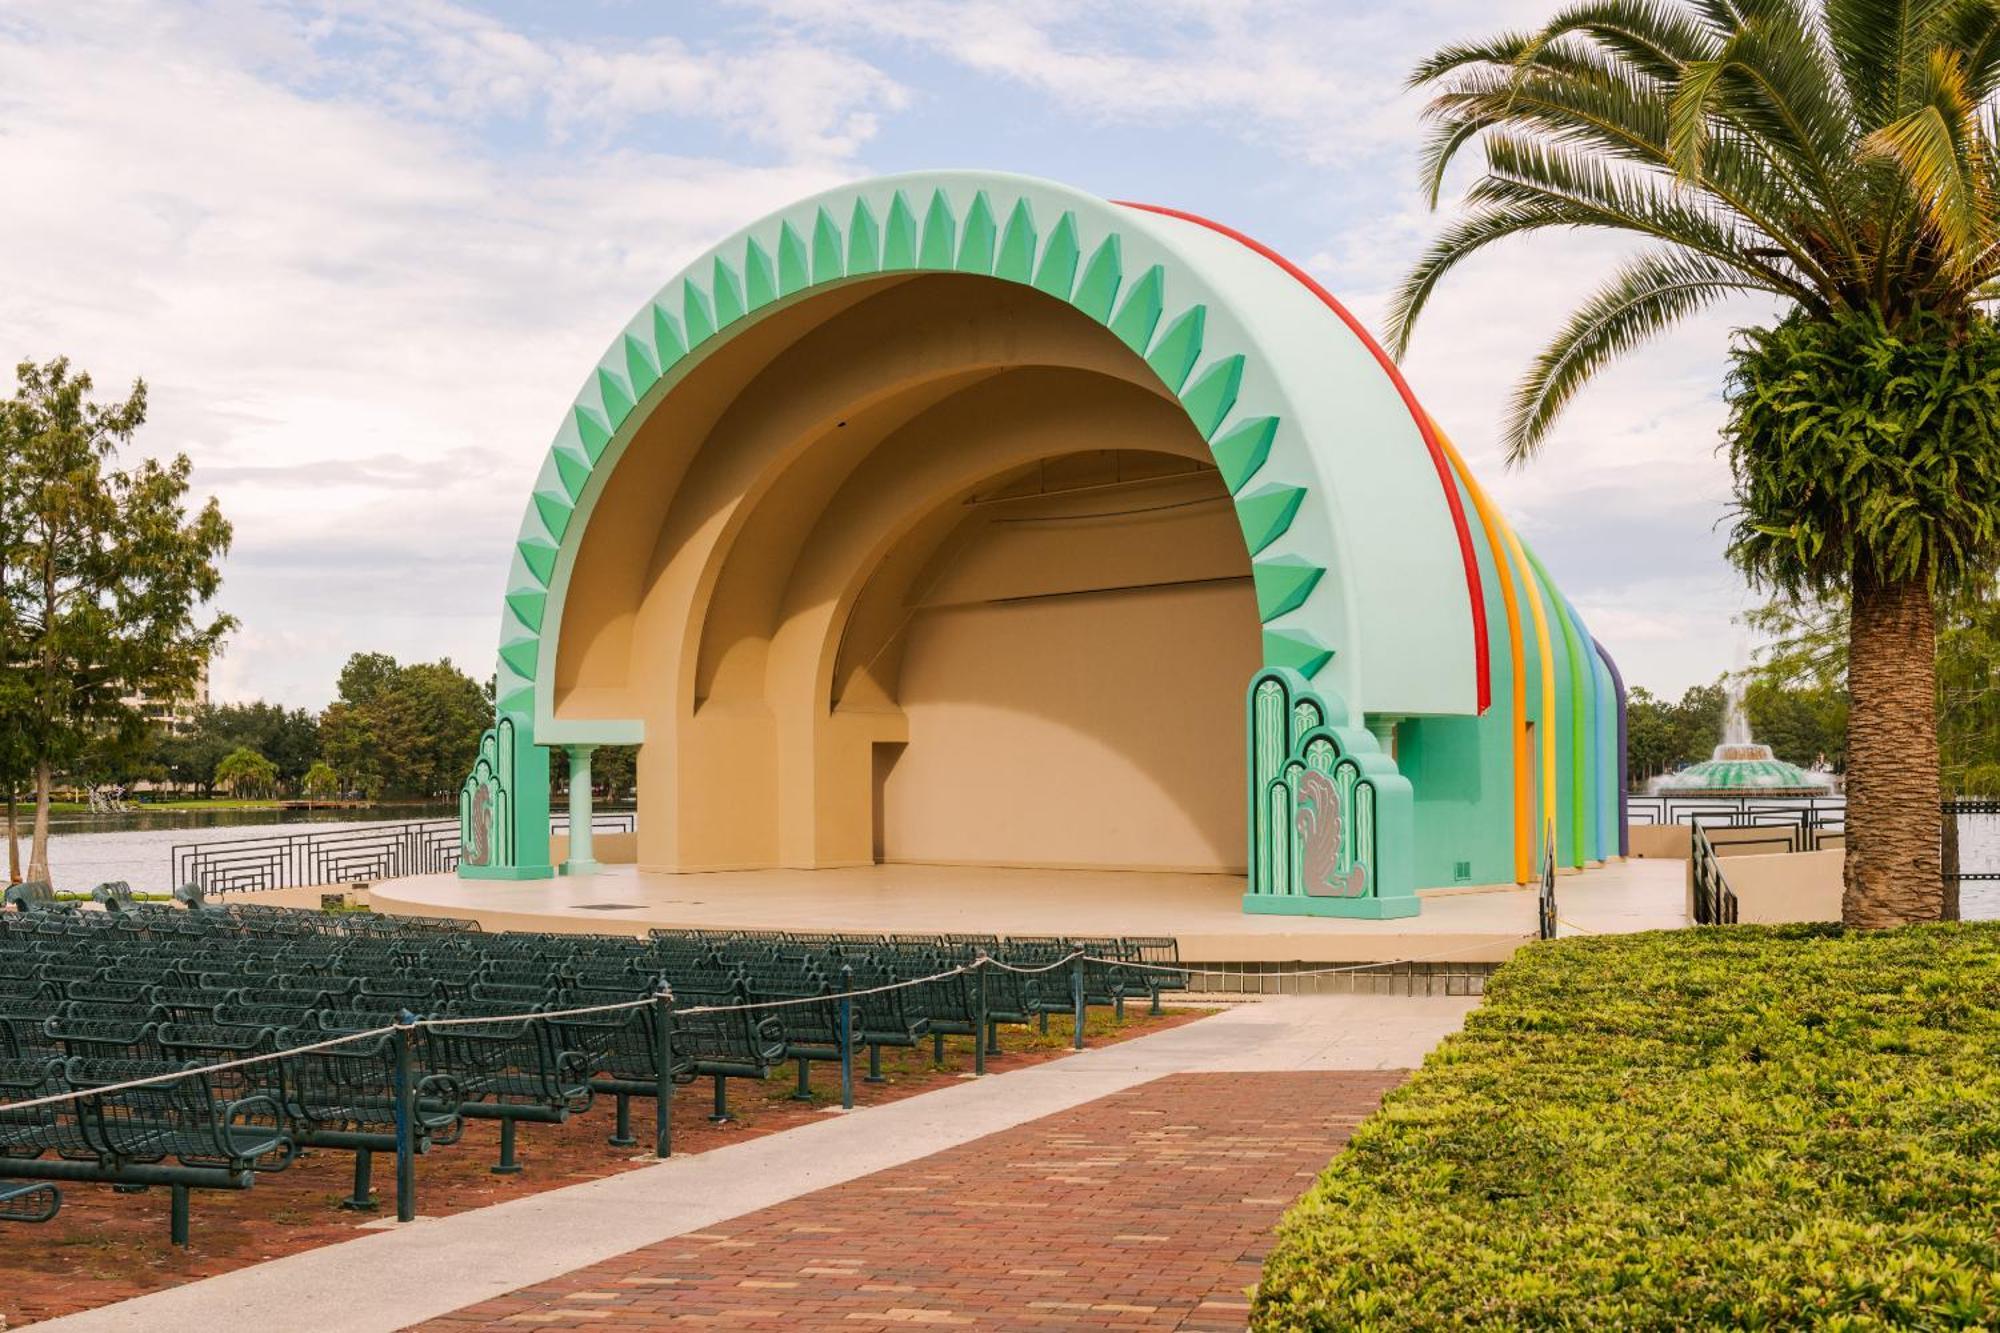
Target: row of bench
x=97, y=999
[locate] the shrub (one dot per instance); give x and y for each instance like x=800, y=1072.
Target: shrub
x=1746, y=1127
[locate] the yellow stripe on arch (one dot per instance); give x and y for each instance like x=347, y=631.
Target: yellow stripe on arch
x=1497, y=539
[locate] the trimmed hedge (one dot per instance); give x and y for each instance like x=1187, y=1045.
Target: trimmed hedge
x=1748, y=1127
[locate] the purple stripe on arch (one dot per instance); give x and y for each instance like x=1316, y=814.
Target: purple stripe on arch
x=1624, y=772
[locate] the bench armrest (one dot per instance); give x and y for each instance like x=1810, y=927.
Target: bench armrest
x=237, y=1115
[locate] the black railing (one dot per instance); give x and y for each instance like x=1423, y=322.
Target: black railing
x=1546, y=919
x=1981, y=866
x=1810, y=820
x=341, y=856
x=1714, y=900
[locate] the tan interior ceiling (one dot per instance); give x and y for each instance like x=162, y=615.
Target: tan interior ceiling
x=925, y=568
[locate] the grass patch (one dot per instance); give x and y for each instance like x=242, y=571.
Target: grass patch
x=1749, y=1127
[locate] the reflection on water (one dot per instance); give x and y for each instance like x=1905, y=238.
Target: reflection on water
x=87, y=850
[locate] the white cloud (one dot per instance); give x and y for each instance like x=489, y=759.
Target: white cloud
x=1320, y=82
x=363, y=249
x=312, y=281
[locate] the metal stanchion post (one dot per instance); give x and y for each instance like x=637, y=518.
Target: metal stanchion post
x=846, y=1039
x=979, y=1029
x=1076, y=989
x=663, y=1075
x=406, y=1123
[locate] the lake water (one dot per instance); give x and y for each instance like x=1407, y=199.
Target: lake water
x=87, y=850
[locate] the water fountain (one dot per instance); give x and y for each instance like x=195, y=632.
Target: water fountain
x=1740, y=766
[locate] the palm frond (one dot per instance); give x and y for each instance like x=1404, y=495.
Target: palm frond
x=1522, y=172
x=1458, y=242
x=1441, y=144
x=1937, y=146
x=1647, y=295
x=1877, y=45
x=1972, y=28
x=1773, y=86
x=1653, y=38
x=1616, y=120
x=1506, y=49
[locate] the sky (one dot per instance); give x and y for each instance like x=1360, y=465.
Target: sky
x=364, y=251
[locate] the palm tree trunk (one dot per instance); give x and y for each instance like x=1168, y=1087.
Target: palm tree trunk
x=38, y=847
x=1893, y=873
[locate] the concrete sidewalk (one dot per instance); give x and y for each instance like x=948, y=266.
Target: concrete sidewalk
x=398, y=1277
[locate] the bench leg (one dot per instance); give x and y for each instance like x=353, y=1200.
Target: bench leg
x=506, y=1166
x=875, y=1065
x=937, y=1048
x=363, y=1198
x=1044, y=1016
x=1118, y=1007
x=621, y=1136
x=721, y=1114
x=1156, y=1003
x=992, y=1038
x=805, y=1091
x=178, y=1222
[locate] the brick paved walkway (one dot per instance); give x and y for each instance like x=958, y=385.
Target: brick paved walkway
x=1151, y=1208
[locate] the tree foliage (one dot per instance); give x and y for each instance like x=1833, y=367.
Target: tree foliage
x=1861, y=447
x=105, y=575
x=320, y=783
x=404, y=731
x=246, y=773
x=288, y=737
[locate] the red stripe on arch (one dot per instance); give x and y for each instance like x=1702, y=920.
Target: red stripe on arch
x=1473, y=587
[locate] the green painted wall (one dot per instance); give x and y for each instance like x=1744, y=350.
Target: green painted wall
x=1461, y=769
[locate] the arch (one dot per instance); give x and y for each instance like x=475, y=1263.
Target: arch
x=1201, y=325
x=1365, y=566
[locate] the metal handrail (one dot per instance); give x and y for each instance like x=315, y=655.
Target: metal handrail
x=1545, y=899
x=340, y=856
x=1714, y=901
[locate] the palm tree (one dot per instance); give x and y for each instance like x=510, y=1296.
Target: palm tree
x=1842, y=157
x=245, y=772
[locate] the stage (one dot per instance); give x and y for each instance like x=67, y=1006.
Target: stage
x=1202, y=911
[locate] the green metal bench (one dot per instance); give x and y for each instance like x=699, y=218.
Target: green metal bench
x=178, y=1134
x=512, y=1070
x=345, y=1099
x=625, y=1046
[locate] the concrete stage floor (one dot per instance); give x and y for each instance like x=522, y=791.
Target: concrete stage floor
x=1203, y=911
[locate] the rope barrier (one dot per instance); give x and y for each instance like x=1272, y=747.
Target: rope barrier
x=151, y=1080
x=822, y=999
x=423, y=1022
x=1031, y=971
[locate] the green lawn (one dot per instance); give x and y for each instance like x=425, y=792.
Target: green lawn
x=1750, y=1127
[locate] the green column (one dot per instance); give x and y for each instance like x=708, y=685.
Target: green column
x=581, y=861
